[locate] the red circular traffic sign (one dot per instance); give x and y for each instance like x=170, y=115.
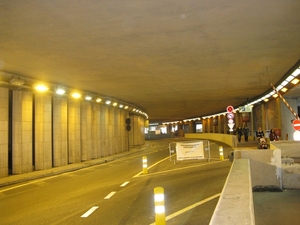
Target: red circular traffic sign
x=296, y=124
x=229, y=109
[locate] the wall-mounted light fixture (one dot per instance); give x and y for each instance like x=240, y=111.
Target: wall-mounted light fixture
x=60, y=91
x=107, y=102
x=98, y=100
x=88, y=97
x=17, y=81
x=40, y=87
x=76, y=95
x=295, y=81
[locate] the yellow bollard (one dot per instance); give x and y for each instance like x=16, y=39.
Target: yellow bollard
x=159, y=203
x=221, y=153
x=145, y=167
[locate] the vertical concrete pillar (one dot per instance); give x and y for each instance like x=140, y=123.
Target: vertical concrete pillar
x=263, y=116
x=74, y=131
x=42, y=132
x=116, y=132
x=22, y=132
x=104, y=131
x=96, y=142
x=137, y=135
x=125, y=133
x=60, y=131
x=192, y=127
x=86, y=130
x=209, y=125
x=220, y=125
x=252, y=125
x=279, y=115
x=4, y=97
x=204, y=125
x=110, y=130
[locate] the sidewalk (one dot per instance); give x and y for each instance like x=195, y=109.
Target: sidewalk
x=14, y=179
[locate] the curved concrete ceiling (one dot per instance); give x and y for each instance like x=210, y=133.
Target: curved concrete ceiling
x=174, y=59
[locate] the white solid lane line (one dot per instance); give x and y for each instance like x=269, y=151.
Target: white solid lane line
x=90, y=211
x=152, y=166
x=110, y=195
x=124, y=184
x=190, y=207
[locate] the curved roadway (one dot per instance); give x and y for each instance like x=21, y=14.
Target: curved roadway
x=119, y=193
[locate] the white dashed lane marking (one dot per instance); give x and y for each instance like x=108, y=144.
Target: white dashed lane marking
x=124, y=184
x=110, y=195
x=90, y=211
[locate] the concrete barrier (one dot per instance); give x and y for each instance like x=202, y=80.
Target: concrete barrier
x=228, y=139
x=265, y=166
x=235, y=205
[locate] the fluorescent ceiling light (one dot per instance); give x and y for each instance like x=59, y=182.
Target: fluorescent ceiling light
x=296, y=72
x=289, y=78
x=284, y=83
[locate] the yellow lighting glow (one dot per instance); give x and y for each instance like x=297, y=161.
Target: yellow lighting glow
x=41, y=87
x=266, y=100
x=295, y=81
x=98, y=100
x=60, y=91
x=284, y=89
x=121, y=106
x=107, y=102
x=76, y=95
x=126, y=107
x=115, y=104
x=88, y=98
x=275, y=95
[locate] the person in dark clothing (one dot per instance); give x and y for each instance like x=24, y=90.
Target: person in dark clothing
x=246, y=132
x=239, y=132
x=273, y=136
x=259, y=134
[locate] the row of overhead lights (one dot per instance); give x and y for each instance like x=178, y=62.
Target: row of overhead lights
x=283, y=87
x=18, y=82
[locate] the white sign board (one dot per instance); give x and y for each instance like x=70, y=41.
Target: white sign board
x=246, y=108
x=189, y=150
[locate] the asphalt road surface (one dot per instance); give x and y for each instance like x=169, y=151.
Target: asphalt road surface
x=118, y=192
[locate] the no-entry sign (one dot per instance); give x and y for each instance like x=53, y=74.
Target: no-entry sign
x=296, y=124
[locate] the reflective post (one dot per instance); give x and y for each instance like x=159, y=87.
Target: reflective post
x=145, y=167
x=221, y=153
x=159, y=203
